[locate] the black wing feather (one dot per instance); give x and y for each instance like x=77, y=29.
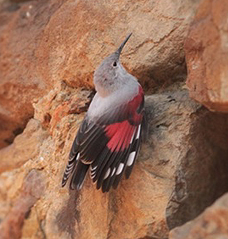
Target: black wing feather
x=89, y=149
x=78, y=175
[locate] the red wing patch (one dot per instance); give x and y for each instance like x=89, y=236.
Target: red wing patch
x=120, y=135
x=108, y=145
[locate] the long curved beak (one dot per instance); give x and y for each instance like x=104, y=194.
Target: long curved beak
x=118, y=51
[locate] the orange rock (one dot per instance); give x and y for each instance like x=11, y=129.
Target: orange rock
x=20, y=83
x=206, y=50
x=45, y=43
x=32, y=189
x=25, y=147
x=58, y=103
x=211, y=224
x=165, y=187
x=61, y=44
x=73, y=48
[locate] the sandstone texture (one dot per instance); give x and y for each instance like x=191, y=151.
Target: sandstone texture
x=48, y=53
x=45, y=42
x=206, y=50
x=21, y=27
x=32, y=189
x=164, y=190
x=211, y=224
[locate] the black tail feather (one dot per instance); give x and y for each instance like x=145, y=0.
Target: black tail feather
x=79, y=175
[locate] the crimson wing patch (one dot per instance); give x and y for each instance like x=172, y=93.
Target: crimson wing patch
x=108, y=146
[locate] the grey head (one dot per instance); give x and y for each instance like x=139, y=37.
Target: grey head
x=110, y=74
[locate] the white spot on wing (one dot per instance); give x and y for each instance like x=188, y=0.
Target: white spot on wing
x=67, y=172
x=120, y=168
x=93, y=168
x=80, y=186
x=132, y=137
x=113, y=171
x=107, y=173
x=72, y=158
x=138, y=132
x=131, y=158
x=70, y=166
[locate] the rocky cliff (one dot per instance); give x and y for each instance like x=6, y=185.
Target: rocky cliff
x=48, y=53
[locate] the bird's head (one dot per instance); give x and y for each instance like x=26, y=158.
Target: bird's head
x=109, y=75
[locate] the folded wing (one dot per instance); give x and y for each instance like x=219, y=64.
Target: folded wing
x=108, y=146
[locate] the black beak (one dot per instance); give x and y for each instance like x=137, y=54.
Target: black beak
x=118, y=51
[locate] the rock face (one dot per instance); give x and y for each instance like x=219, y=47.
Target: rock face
x=21, y=27
x=25, y=146
x=46, y=82
x=202, y=176
x=211, y=224
x=163, y=185
x=92, y=31
x=46, y=42
x=207, y=57
x=32, y=189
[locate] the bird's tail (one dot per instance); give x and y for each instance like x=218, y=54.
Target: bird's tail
x=79, y=175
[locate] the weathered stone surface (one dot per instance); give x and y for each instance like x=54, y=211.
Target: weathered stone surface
x=46, y=42
x=25, y=147
x=211, y=224
x=73, y=48
x=202, y=176
x=164, y=184
x=206, y=50
x=183, y=166
x=21, y=26
x=60, y=102
x=32, y=189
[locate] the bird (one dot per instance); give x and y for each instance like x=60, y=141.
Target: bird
x=108, y=140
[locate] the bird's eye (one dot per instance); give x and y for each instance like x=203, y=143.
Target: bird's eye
x=114, y=64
